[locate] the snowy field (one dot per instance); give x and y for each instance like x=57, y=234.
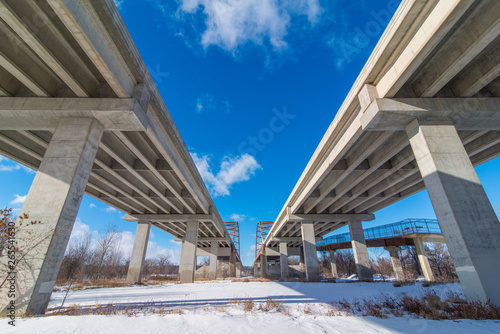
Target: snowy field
x=218, y=307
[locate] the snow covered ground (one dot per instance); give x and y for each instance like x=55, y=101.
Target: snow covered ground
x=304, y=309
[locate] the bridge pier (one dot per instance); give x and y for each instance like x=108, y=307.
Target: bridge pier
x=214, y=251
x=284, y=260
x=232, y=264
x=467, y=219
x=396, y=262
x=139, y=249
x=187, y=265
x=310, y=254
x=263, y=265
x=333, y=265
x=238, y=269
x=53, y=199
x=423, y=260
x=360, y=251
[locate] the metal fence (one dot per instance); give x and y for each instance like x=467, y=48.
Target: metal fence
x=405, y=227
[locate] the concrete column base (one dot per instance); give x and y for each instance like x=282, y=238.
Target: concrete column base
x=53, y=200
x=232, y=264
x=263, y=265
x=238, y=269
x=310, y=254
x=139, y=249
x=187, y=265
x=360, y=251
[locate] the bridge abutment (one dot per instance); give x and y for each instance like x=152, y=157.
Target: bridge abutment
x=467, y=219
x=139, y=250
x=360, y=251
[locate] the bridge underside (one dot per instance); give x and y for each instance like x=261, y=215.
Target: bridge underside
x=423, y=112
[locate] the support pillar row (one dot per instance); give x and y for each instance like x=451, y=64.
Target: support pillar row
x=333, y=265
x=396, y=262
x=284, y=260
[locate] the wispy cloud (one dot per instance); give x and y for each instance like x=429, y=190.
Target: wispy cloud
x=232, y=170
x=119, y=3
x=7, y=165
x=237, y=217
x=230, y=24
x=107, y=209
x=18, y=200
x=208, y=102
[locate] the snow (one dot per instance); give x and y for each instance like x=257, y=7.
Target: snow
x=204, y=309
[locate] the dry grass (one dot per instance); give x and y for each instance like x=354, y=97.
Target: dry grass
x=89, y=284
x=248, y=305
x=430, y=306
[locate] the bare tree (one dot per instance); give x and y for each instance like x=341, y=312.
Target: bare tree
x=107, y=256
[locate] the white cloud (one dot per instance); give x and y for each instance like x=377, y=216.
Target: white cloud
x=119, y=3
x=232, y=170
x=92, y=205
x=205, y=102
x=110, y=209
x=18, y=200
x=237, y=217
x=11, y=165
x=232, y=23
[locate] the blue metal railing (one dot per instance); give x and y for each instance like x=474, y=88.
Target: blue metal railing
x=405, y=227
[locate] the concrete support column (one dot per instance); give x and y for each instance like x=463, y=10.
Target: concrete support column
x=232, y=264
x=263, y=265
x=423, y=260
x=187, y=267
x=238, y=269
x=214, y=251
x=310, y=254
x=396, y=262
x=467, y=219
x=302, y=261
x=284, y=260
x=255, y=270
x=138, y=252
x=53, y=199
x=360, y=251
x=333, y=265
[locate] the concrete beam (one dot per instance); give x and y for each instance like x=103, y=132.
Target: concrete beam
x=63, y=174
x=187, y=265
x=395, y=114
x=169, y=218
x=310, y=254
x=360, y=251
x=458, y=199
x=139, y=250
x=40, y=113
x=329, y=217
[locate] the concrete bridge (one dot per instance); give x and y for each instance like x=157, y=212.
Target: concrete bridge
x=424, y=111
x=78, y=105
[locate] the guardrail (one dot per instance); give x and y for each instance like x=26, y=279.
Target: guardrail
x=404, y=227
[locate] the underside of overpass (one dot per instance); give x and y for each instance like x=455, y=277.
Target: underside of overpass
x=78, y=105
x=424, y=111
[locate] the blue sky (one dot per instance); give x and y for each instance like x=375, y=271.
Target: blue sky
x=252, y=86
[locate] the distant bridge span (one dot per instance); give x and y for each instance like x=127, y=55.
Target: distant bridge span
x=424, y=111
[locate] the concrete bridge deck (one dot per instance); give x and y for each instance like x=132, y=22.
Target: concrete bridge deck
x=78, y=105
x=422, y=113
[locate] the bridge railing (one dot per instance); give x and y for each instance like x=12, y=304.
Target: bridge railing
x=402, y=228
